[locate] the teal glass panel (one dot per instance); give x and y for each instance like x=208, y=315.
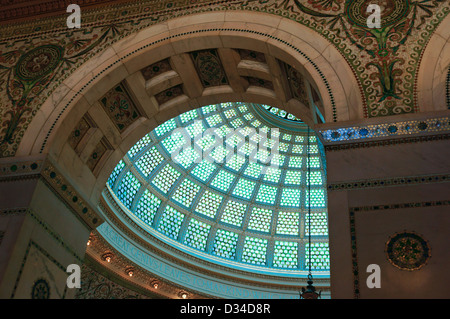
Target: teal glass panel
x=253, y=170
x=147, y=207
x=288, y=223
x=295, y=162
x=319, y=224
x=260, y=219
x=293, y=178
x=197, y=234
x=209, y=109
x=165, y=178
x=285, y=254
x=170, y=222
x=316, y=178
x=209, y=204
x=244, y=188
x=115, y=173
x=188, y=116
x=186, y=192
x=315, y=162
x=146, y=140
x=225, y=244
x=223, y=180
x=317, y=198
x=254, y=251
x=127, y=189
x=233, y=213
x=214, y=120
x=165, y=127
x=149, y=161
x=320, y=256
x=203, y=170
x=291, y=197
x=267, y=194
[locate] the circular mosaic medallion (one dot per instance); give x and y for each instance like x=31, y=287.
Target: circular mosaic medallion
x=407, y=251
x=40, y=290
x=39, y=62
x=392, y=11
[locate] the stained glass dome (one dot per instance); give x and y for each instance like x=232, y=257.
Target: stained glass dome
x=232, y=207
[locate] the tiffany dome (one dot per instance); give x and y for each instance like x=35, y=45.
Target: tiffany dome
x=230, y=209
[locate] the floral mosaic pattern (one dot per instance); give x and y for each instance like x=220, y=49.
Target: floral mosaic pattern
x=209, y=68
x=96, y=286
x=40, y=289
x=385, y=60
x=407, y=251
x=119, y=107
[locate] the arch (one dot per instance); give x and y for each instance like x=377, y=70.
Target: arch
x=431, y=82
x=316, y=58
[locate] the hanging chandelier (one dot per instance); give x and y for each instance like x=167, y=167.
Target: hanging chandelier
x=310, y=291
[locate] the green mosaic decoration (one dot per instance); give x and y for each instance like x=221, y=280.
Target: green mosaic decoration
x=408, y=251
x=40, y=289
x=36, y=57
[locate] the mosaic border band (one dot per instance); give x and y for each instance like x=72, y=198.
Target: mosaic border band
x=396, y=129
x=389, y=142
x=397, y=181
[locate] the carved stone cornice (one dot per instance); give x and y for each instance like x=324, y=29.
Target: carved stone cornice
x=142, y=280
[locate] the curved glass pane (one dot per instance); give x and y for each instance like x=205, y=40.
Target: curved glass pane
x=221, y=181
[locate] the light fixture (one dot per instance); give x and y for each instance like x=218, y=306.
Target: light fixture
x=107, y=257
x=90, y=240
x=310, y=291
x=183, y=294
x=155, y=284
x=129, y=271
